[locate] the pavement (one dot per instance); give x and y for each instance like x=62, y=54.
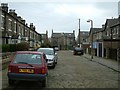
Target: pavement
x=4, y=63
x=112, y=64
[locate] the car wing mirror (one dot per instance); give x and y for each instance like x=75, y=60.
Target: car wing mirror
x=46, y=60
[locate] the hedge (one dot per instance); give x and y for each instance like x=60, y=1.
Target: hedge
x=23, y=46
x=5, y=47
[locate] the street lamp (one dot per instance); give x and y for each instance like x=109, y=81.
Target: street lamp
x=91, y=21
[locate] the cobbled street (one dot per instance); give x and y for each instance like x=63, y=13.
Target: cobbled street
x=72, y=72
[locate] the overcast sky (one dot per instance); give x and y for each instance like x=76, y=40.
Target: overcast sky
x=63, y=16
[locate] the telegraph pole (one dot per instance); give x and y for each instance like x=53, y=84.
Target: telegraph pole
x=79, y=35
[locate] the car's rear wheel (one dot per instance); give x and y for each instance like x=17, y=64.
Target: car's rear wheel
x=11, y=82
x=44, y=82
x=56, y=62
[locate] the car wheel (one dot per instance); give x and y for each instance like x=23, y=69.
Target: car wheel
x=44, y=82
x=53, y=66
x=11, y=82
x=56, y=62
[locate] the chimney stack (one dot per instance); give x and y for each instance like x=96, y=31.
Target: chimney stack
x=4, y=6
x=103, y=26
x=23, y=21
x=74, y=32
x=31, y=26
x=34, y=28
x=52, y=31
x=12, y=12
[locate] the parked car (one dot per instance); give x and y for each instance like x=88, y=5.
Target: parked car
x=56, y=49
x=51, y=56
x=78, y=51
x=28, y=66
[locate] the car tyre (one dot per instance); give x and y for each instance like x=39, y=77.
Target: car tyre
x=11, y=82
x=55, y=62
x=53, y=66
x=44, y=82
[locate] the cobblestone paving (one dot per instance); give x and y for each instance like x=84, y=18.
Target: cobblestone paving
x=78, y=72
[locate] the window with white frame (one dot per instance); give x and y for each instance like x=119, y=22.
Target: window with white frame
x=10, y=24
x=2, y=21
x=107, y=33
x=113, y=31
x=25, y=33
x=30, y=34
x=117, y=30
x=22, y=32
x=14, y=27
x=19, y=29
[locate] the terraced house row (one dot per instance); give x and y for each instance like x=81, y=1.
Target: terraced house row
x=14, y=28
x=106, y=40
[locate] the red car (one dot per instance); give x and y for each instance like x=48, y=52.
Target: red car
x=28, y=66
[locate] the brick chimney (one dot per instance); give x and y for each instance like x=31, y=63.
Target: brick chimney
x=4, y=6
x=23, y=21
x=52, y=31
x=74, y=32
x=34, y=28
x=31, y=26
x=103, y=26
x=12, y=12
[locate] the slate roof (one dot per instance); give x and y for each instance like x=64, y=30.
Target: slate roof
x=94, y=30
x=111, y=22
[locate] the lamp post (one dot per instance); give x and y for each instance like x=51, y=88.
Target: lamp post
x=91, y=21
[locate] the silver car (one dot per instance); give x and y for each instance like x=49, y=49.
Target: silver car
x=51, y=56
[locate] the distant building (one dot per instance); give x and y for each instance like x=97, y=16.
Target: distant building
x=45, y=41
x=63, y=40
x=84, y=43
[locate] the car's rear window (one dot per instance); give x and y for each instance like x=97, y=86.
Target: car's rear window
x=46, y=51
x=28, y=59
x=77, y=48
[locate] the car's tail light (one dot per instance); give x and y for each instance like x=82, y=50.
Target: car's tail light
x=43, y=71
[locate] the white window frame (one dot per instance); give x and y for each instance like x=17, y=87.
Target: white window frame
x=107, y=33
x=15, y=27
x=2, y=22
x=22, y=33
x=117, y=30
x=10, y=24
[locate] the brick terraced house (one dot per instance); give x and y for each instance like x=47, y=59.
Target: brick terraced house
x=63, y=41
x=14, y=29
x=106, y=41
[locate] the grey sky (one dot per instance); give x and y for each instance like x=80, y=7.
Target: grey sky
x=63, y=16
